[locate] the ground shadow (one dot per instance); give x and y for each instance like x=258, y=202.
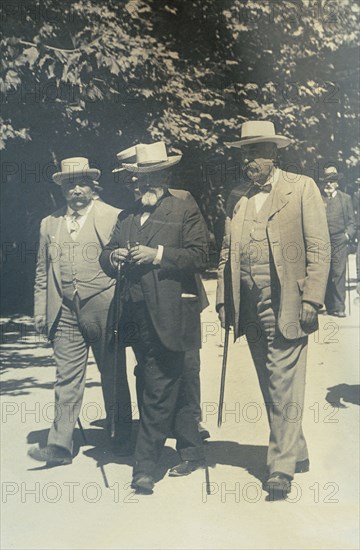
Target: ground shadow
x=350, y=394
x=23, y=349
x=252, y=458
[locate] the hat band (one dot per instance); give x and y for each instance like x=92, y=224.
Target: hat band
x=152, y=162
x=258, y=136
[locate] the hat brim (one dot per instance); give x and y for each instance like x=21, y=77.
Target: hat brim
x=127, y=153
x=147, y=169
x=280, y=141
x=333, y=177
x=60, y=177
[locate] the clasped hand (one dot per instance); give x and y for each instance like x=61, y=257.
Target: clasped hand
x=138, y=254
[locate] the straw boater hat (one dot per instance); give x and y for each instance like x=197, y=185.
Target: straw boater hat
x=331, y=174
x=145, y=159
x=73, y=168
x=258, y=131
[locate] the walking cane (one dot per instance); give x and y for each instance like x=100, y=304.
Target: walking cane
x=82, y=432
x=348, y=282
x=116, y=351
x=223, y=375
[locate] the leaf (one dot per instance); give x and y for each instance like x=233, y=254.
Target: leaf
x=31, y=55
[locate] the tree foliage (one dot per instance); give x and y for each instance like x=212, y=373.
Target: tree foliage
x=93, y=77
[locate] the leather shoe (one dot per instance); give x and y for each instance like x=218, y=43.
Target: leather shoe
x=302, y=466
x=339, y=314
x=204, y=433
x=185, y=468
x=143, y=484
x=53, y=455
x=278, y=486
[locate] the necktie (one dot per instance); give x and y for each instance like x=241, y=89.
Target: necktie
x=266, y=187
x=147, y=208
x=74, y=224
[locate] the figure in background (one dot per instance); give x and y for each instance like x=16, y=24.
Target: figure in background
x=341, y=223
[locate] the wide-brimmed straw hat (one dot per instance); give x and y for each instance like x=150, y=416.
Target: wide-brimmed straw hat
x=147, y=158
x=258, y=131
x=73, y=168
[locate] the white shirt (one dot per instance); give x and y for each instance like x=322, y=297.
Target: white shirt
x=331, y=195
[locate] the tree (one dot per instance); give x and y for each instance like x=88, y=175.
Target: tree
x=91, y=78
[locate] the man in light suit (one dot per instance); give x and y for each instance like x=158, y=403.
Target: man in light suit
x=72, y=300
x=161, y=243
x=273, y=264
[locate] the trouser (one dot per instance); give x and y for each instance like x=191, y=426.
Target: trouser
x=190, y=383
x=335, y=291
x=281, y=366
x=165, y=405
x=83, y=324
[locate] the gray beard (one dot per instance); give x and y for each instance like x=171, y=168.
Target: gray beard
x=152, y=196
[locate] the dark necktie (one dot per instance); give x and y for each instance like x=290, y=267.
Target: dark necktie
x=257, y=188
x=266, y=187
x=147, y=208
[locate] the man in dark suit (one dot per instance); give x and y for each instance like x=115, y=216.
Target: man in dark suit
x=191, y=376
x=341, y=222
x=273, y=263
x=72, y=299
x=161, y=244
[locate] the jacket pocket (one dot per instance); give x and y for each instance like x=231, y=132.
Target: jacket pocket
x=301, y=285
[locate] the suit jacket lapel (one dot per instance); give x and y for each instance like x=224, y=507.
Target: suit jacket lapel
x=56, y=244
x=158, y=218
x=281, y=195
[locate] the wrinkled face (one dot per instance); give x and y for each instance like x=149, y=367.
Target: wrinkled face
x=152, y=187
x=258, y=160
x=78, y=192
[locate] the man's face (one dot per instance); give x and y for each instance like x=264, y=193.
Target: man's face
x=151, y=187
x=258, y=160
x=331, y=186
x=77, y=192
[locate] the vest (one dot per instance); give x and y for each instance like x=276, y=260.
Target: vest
x=132, y=289
x=335, y=214
x=255, y=256
x=79, y=262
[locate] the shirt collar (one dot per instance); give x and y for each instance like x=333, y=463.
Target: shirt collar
x=81, y=212
x=332, y=195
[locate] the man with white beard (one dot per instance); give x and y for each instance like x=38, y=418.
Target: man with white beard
x=161, y=243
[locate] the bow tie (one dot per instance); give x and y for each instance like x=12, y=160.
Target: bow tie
x=257, y=187
x=147, y=208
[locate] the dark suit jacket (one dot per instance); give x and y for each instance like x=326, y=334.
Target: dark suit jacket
x=299, y=241
x=186, y=195
x=178, y=226
x=347, y=216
